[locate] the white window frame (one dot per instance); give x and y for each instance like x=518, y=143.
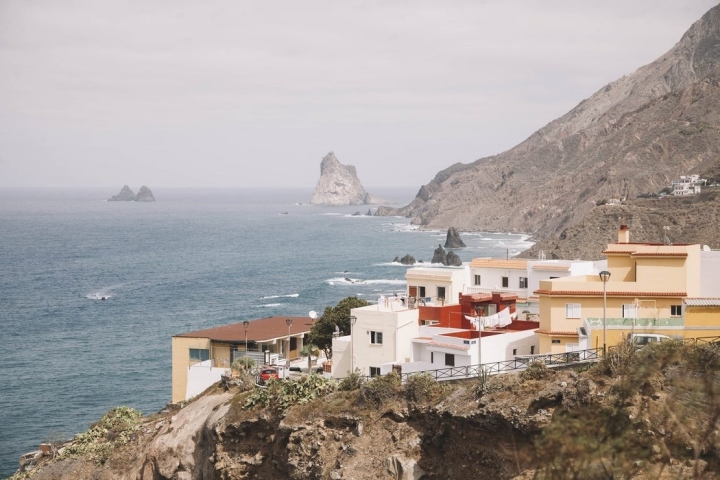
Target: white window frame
x=573, y=310
x=374, y=371
x=676, y=307
x=376, y=338
x=523, y=282
x=629, y=310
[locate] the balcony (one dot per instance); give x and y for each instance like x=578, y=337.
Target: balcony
x=637, y=322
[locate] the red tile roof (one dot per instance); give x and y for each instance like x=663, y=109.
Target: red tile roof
x=259, y=330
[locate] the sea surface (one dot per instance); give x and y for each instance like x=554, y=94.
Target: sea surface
x=191, y=260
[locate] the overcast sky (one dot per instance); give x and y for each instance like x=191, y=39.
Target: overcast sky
x=253, y=94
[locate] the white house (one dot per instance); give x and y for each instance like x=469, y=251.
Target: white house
x=436, y=285
x=687, y=185
x=381, y=334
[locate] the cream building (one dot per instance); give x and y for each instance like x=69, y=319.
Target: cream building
x=644, y=294
x=436, y=285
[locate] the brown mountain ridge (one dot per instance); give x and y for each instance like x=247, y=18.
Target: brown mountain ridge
x=633, y=136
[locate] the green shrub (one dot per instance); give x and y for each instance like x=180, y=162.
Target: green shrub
x=481, y=387
x=281, y=394
x=421, y=387
x=380, y=389
x=352, y=382
x=115, y=428
x=243, y=364
x=536, y=370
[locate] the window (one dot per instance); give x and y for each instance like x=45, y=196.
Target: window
x=374, y=371
x=572, y=310
x=199, y=354
x=505, y=282
x=629, y=310
x=675, y=310
x=555, y=341
x=532, y=349
x=432, y=357
x=553, y=278
x=376, y=338
x=441, y=292
x=477, y=279
x=449, y=360
x=523, y=282
x=421, y=292
x=514, y=351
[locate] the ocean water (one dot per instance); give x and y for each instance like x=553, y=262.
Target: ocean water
x=192, y=260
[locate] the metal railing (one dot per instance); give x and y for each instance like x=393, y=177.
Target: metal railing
x=637, y=322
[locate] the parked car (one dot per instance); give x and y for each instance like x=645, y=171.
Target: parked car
x=642, y=339
x=266, y=373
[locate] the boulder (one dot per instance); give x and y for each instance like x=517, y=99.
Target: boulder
x=145, y=195
x=439, y=256
x=125, y=195
x=408, y=260
x=452, y=259
x=453, y=239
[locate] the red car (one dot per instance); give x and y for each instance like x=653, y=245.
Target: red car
x=266, y=373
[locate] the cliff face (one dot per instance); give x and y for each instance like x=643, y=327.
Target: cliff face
x=632, y=136
x=339, y=185
x=628, y=418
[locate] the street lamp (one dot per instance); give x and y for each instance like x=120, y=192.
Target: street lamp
x=246, y=324
x=604, y=277
x=289, y=324
x=353, y=319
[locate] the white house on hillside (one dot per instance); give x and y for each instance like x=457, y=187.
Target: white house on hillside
x=436, y=285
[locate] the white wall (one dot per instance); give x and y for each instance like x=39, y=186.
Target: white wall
x=575, y=267
x=491, y=278
x=709, y=268
x=454, y=279
x=201, y=376
x=341, y=356
x=398, y=328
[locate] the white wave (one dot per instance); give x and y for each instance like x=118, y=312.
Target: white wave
x=386, y=281
x=269, y=305
x=344, y=280
x=292, y=295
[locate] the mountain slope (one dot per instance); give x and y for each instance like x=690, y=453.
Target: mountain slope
x=632, y=136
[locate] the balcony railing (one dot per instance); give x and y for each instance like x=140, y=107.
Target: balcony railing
x=637, y=322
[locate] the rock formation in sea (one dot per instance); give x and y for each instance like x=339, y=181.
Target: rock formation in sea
x=452, y=259
x=439, y=255
x=340, y=185
x=406, y=260
x=125, y=195
x=453, y=239
x=145, y=195
x=633, y=136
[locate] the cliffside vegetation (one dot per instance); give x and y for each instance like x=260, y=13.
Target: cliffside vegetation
x=649, y=413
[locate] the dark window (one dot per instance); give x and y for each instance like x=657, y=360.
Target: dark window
x=675, y=310
x=374, y=371
x=556, y=341
x=523, y=282
x=505, y=282
x=432, y=357
x=532, y=349
x=514, y=351
x=421, y=292
x=449, y=360
x=441, y=292
x=477, y=279
x=199, y=354
x=376, y=338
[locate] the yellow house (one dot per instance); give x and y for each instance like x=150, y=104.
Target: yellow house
x=199, y=358
x=644, y=293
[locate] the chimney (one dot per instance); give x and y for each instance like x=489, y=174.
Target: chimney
x=623, y=234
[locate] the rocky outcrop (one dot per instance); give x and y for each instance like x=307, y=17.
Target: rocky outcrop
x=452, y=259
x=453, y=239
x=125, y=195
x=439, y=255
x=145, y=195
x=340, y=185
x=406, y=260
x=631, y=137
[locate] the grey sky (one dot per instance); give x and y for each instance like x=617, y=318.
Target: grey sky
x=239, y=94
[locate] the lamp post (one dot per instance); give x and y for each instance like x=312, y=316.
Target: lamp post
x=481, y=327
x=289, y=324
x=604, y=277
x=353, y=319
x=246, y=324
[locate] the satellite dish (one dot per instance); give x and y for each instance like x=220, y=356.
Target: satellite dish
x=312, y=314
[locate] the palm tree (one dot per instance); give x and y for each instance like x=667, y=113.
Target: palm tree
x=309, y=350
